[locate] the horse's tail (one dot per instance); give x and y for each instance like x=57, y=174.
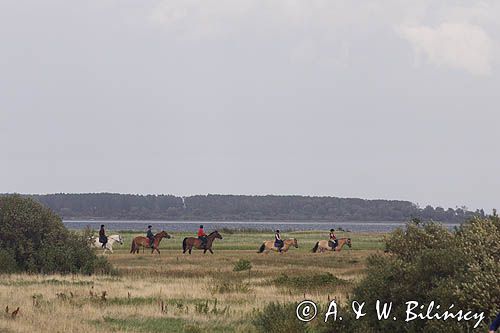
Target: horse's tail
x=262, y=248
x=132, y=249
x=184, y=244
x=315, y=248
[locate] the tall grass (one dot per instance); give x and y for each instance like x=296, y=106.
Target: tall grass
x=181, y=293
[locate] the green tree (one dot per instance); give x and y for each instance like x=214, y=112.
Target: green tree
x=425, y=262
x=34, y=239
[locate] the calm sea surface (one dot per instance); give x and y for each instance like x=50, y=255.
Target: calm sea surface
x=213, y=225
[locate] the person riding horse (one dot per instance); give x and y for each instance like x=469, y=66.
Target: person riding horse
x=150, y=236
x=333, y=241
x=202, y=236
x=278, y=243
x=102, y=236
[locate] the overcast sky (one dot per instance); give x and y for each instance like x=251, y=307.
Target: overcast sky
x=371, y=99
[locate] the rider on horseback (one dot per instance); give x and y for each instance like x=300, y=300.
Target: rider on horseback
x=102, y=236
x=277, y=240
x=202, y=236
x=151, y=237
x=333, y=242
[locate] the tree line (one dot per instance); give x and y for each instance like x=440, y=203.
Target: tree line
x=243, y=208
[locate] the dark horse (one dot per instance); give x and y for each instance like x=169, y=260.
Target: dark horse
x=189, y=242
x=144, y=242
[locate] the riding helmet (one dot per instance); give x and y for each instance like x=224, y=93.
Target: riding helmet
x=102, y=225
x=277, y=231
x=332, y=230
x=150, y=226
x=201, y=226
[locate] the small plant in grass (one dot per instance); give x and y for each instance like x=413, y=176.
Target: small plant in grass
x=242, y=265
x=225, y=284
x=204, y=308
x=313, y=281
x=278, y=318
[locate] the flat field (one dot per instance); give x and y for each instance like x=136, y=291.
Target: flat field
x=175, y=292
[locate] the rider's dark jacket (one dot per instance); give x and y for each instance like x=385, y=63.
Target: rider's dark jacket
x=150, y=235
x=102, y=236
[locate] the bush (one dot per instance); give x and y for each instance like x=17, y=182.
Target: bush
x=428, y=263
x=37, y=241
x=7, y=262
x=242, y=265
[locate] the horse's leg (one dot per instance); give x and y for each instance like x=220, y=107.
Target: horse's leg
x=204, y=251
x=190, y=248
x=210, y=249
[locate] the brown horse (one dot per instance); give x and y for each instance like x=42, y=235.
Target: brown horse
x=189, y=242
x=269, y=246
x=144, y=242
x=322, y=245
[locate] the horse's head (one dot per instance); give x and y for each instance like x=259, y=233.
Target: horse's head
x=348, y=242
x=216, y=234
x=120, y=240
x=295, y=243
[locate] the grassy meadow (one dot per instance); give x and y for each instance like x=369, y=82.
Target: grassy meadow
x=175, y=292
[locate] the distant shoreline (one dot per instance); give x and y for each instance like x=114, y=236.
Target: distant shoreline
x=240, y=226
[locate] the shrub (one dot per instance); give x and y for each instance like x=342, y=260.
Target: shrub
x=228, y=285
x=242, y=265
x=37, y=241
x=7, y=262
x=428, y=263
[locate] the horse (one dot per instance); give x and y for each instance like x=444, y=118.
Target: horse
x=323, y=245
x=189, y=242
x=109, y=245
x=144, y=242
x=269, y=245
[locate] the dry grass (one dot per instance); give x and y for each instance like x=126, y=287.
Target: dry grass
x=177, y=293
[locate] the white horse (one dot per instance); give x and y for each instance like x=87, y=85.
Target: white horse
x=109, y=245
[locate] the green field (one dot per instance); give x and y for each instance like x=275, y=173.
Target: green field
x=175, y=292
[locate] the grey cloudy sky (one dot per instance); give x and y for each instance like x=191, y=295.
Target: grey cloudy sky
x=372, y=99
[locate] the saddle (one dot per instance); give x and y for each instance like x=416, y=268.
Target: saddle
x=278, y=243
x=204, y=241
x=333, y=243
x=151, y=242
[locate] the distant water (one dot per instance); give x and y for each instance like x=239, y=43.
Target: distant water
x=190, y=226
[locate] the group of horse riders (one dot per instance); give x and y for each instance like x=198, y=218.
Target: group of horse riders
x=278, y=242
x=103, y=239
x=202, y=236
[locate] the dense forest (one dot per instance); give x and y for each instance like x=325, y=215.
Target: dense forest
x=109, y=206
